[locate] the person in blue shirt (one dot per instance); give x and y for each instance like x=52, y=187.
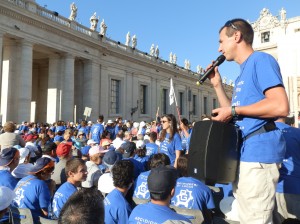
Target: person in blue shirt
x=258, y=99
x=97, y=130
x=185, y=134
x=161, y=184
x=288, y=187
x=151, y=147
x=170, y=138
x=117, y=209
x=140, y=185
x=32, y=191
x=192, y=193
x=9, y=160
x=76, y=171
x=111, y=129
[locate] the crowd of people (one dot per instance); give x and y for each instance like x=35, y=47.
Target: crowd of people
x=135, y=172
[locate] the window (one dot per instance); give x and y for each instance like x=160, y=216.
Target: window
x=143, y=99
x=205, y=105
x=214, y=103
x=265, y=37
x=164, y=101
x=115, y=96
x=181, y=102
x=194, y=104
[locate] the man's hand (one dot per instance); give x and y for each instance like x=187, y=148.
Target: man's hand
x=223, y=114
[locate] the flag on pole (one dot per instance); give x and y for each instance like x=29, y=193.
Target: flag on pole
x=172, y=93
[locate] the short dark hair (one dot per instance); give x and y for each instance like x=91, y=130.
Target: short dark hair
x=241, y=25
x=122, y=173
x=73, y=164
x=159, y=159
x=182, y=164
x=153, y=136
x=83, y=207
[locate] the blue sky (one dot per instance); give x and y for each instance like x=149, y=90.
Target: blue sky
x=187, y=28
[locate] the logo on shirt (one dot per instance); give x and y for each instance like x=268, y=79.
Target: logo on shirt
x=142, y=190
x=184, y=198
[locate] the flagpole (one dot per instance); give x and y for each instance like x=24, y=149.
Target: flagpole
x=178, y=113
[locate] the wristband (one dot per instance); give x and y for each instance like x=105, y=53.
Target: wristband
x=233, y=112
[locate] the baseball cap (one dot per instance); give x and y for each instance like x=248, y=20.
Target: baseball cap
x=97, y=149
x=91, y=141
x=6, y=197
x=30, y=137
x=23, y=153
x=110, y=158
x=110, y=122
x=129, y=148
x=106, y=142
x=63, y=149
x=140, y=144
x=48, y=147
x=7, y=155
x=162, y=179
x=41, y=164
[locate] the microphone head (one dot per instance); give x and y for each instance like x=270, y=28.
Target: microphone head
x=220, y=59
x=198, y=83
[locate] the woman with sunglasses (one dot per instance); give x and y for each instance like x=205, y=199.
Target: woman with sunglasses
x=170, y=138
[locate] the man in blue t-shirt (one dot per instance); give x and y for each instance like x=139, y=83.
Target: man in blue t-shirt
x=96, y=130
x=191, y=193
x=257, y=100
x=151, y=147
x=117, y=209
x=9, y=160
x=161, y=183
x=288, y=187
x=140, y=185
x=76, y=171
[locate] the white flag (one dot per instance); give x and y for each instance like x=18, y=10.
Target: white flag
x=172, y=92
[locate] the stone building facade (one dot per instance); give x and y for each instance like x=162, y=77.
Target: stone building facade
x=280, y=37
x=53, y=68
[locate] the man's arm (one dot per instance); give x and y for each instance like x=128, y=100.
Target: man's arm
x=275, y=104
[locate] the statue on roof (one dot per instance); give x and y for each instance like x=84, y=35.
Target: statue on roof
x=174, y=59
x=156, y=51
x=171, y=57
x=283, y=14
x=152, y=50
x=127, y=39
x=73, y=14
x=94, y=21
x=103, y=28
x=134, y=41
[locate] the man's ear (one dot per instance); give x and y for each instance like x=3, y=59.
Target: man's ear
x=238, y=36
x=173, y=192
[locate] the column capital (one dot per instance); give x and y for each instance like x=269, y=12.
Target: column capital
x=27, y=43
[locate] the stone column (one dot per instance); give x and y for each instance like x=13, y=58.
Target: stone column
x=155, y=93
x=8, y=86
x=129, y=101
x=53, y=89
x=1, y=61
x=91, y=86
x=104, y=92
x=25, y=82
x=67, y=97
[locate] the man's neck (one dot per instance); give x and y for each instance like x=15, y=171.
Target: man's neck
x=122, y=190
x=75, y=183
x=163, y=203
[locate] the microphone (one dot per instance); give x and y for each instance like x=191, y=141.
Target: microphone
x=217, y=62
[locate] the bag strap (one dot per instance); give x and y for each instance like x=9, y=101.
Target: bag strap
x=21, y=185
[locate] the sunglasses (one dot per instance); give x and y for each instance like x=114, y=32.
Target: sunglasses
x=230, y=24
x=164, y=122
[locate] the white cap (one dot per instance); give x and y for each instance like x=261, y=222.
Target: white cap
x=142, y=124
x=6, y=197
x=90, y=122
x=140, y=144
x=136, y=124
x=110, y=122
x=91, y=141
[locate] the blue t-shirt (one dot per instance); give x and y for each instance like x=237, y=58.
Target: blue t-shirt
x=143, y=160
x=153, y=213
x=138, y=167
x=34, y=194
x=96, y=132
x=192, y=194
x=289, y=179
x=152, y=149
x=111, y=130
x=169, y=148
x=117, y=209
x=258, y=73
x=85, y=131
x=61, y=196
x=60, y=128
x=7, y=180
x=141, y=186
